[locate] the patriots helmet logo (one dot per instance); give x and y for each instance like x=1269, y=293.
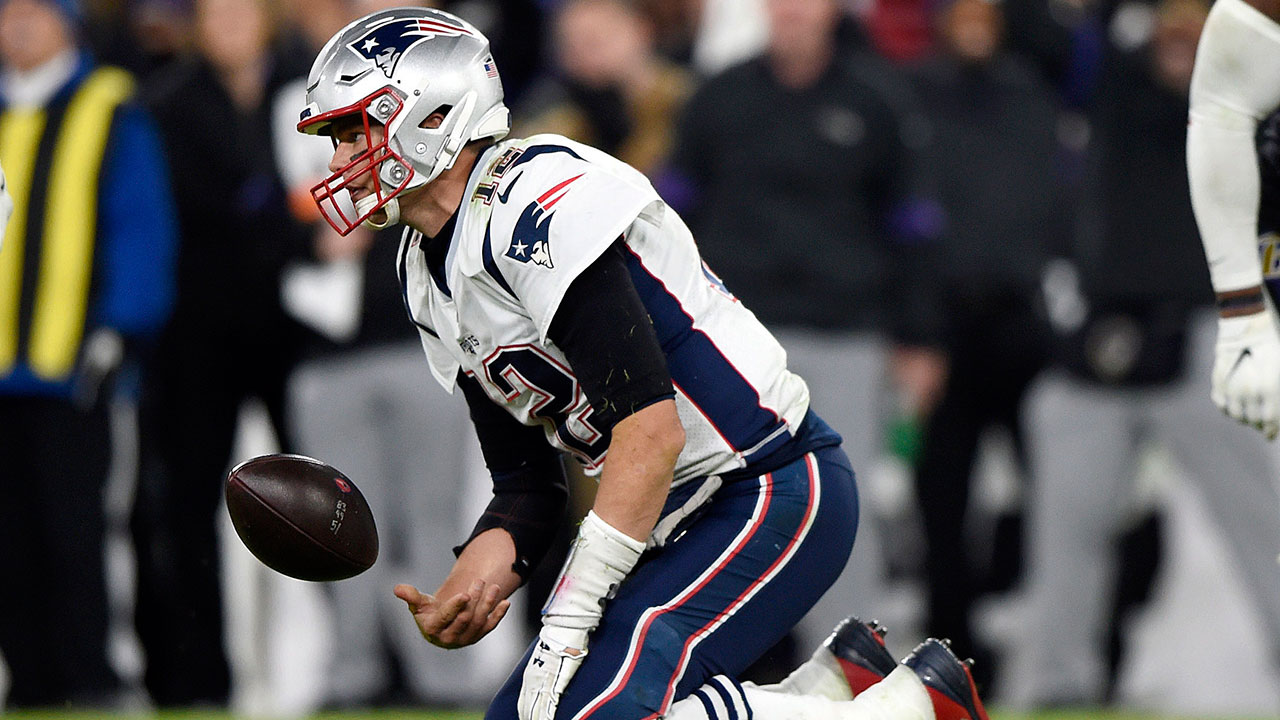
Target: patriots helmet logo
x=531, y=241
x=385, y=43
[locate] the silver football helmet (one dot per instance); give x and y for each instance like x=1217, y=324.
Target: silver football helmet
x=395, y=68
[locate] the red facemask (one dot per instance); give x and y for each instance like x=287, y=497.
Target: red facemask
x=326, y=192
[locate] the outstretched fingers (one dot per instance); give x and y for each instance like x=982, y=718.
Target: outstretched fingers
x=491, y=610
x=441, y=626
x=496, y=616
x=459, y=621
x=412, y=597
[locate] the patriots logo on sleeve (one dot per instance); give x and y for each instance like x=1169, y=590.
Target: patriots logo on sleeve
x=385, y=43
x=530, y=241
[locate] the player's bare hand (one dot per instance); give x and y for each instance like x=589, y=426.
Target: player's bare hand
x=460, y=620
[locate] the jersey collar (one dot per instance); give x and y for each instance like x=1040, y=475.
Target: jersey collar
x=436, y=252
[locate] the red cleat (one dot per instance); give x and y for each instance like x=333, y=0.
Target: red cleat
x=859, y=649
x=948, y=681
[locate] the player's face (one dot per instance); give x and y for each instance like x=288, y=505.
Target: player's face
x=350, y=141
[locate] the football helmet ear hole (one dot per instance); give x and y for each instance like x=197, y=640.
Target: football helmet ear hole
x=442, y=112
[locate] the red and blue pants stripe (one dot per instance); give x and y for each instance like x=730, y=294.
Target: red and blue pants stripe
x=717, y=595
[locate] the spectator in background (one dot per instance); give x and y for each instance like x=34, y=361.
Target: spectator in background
x=229, y=339
x=798, y=171
x=85, y=274
x=612, y=91
x=729, y=32
x=360, y=400
x=996, y=160
x=1139, y=346
x=144, y=36
x=675, y=26
x=1056, y=36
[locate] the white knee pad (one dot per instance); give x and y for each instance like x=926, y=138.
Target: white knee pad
x=1235, y=84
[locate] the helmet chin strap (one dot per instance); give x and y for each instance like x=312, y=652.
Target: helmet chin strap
x=391, y=212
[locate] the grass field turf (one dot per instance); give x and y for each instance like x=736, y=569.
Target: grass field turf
x=444, y=715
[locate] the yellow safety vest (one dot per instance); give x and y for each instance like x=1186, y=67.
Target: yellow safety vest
x=46, y=260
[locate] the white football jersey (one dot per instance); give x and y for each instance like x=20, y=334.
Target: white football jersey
x=536, y=213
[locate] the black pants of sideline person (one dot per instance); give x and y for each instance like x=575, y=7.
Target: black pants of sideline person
x=997, y=345
x=54, y=460
x=188, y=416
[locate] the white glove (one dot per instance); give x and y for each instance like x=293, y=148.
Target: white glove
x=549, y=671
x=1246, y=371
x=598, y=562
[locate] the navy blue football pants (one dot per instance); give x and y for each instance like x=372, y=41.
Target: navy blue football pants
x=715, y=597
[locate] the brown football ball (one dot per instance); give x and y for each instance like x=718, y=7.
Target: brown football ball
x=302, y=517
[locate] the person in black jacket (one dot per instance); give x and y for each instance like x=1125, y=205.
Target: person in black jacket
x=995, y=157
x=799, y=172
x=229, y=339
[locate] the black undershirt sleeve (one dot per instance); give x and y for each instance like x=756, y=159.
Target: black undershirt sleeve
x=530, y=492
x=606, y=334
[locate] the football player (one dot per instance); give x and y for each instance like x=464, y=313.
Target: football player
x=552, y=285
x=1236, y=83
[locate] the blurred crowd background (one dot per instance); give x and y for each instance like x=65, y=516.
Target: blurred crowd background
x=966, y=220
